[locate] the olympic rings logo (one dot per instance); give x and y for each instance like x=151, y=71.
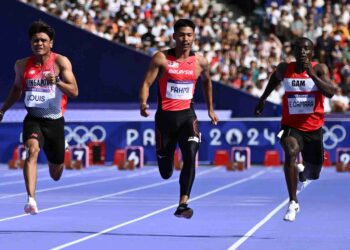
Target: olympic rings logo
x=82, y=134
x=333, y=136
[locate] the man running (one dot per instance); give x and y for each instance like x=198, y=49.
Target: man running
x=306, y=84
x=45, y=79
x=177, y=70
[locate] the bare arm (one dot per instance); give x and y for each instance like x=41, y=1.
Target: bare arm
x=16, y=89
x=67, y=83
x=207, y=88
x=320, y=75
x=157, y=62
x=274, y=81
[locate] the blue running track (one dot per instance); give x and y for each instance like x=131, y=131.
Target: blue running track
x=104, y=208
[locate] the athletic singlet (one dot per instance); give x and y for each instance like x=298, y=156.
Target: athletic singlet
x=302, y=106
x=176, y=87
x=42, y=100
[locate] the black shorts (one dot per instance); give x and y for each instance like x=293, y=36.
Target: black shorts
x=49, y=133
x=175, y=126
x=311, y=147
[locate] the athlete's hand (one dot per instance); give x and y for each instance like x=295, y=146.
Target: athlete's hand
x=50, y=78
x=143, y=109
x=259, y=107
x=214, y=118
x=308, y=68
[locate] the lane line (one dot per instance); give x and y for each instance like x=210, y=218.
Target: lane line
x=20, y=173
x=80, y=173
x=248, y=234
x=83, y=183
x=161, y=183
x=235, y=183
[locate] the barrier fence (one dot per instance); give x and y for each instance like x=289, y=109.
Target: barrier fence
x=259, y=135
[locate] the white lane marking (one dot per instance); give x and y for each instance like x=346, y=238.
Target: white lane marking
x=159, y=211
x=80, y=173
x=21, y=172
x=248, y=234
x=83, y=183
x=107, y=196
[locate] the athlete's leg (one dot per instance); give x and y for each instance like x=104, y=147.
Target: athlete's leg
x=189, y=146
x=166, y=140
x=165, y=148
x=33, y=140
x=291, y=150
x=30, y=166
x=313, y=154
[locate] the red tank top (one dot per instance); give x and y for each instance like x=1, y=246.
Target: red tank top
x=42, y=99
x=302, y=104
x=177, y=86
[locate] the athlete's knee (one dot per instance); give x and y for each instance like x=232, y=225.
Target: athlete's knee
x=32, y=151
x=190, y=149
x=165, y=164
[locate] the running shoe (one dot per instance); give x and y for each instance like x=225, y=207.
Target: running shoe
x=31, y=207
x=292, y=211
x=183, y=211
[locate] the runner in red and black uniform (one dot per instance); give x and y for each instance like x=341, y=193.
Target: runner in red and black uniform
x=177, y=71
x=45, y=79
x=305, y=83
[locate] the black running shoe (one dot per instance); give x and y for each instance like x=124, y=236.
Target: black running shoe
x=183, y=211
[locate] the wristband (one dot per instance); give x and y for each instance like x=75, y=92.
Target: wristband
x=57, y=80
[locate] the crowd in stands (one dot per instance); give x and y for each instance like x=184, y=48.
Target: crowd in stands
x=242, y=51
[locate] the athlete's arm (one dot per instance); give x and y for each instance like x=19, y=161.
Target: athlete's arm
x=157, y=62
x=274, y=81
x=66, y=81
x=320, y=75
x=207, y=88
x=16, y=89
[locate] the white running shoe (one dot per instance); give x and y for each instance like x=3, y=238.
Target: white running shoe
x=292, y=211
x=31, y=207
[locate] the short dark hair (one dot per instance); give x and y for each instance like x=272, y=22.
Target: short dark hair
x=40, y=26
x=303, y=39
x=183, y=23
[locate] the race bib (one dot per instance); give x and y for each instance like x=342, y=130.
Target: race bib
x=301, y=104
x=180, y=91
x=39, y=98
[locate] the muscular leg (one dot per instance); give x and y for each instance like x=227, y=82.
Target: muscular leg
x=30, y=166
x=291, y=150
x=189, y=150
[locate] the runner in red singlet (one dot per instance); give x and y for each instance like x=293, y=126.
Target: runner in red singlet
x=45, y=79
x=305, y=83
x=177, y=71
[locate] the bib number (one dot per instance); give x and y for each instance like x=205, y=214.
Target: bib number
x=181, y=91
x=39, y=98
x=301, y=104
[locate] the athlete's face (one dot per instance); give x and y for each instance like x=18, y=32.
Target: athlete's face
x=303, y=51
x=41, y=44
x=184, y=37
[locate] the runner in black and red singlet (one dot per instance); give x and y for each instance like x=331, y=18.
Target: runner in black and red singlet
x=306, y=84
x=177, y=71
x=45, y=79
